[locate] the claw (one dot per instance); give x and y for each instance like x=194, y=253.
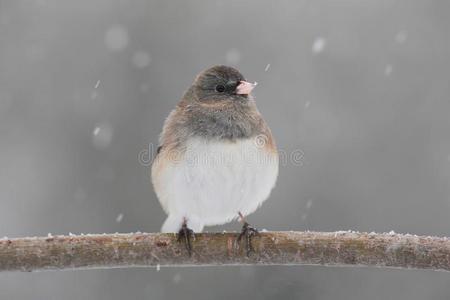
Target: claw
x=248, y=232
x=185, y=234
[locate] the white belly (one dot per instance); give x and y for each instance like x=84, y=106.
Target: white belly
x=213, y=181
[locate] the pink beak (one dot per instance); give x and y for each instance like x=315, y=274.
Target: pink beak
x=245, y=88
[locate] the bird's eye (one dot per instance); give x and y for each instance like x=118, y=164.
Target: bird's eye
x=220, y=88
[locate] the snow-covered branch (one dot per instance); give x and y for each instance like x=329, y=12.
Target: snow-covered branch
x=270, y=248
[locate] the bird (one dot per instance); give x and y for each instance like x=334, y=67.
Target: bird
x=217, y=160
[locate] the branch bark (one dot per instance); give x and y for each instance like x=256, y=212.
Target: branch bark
x=271, y=248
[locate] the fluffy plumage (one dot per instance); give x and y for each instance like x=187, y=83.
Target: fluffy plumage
x=217, y=155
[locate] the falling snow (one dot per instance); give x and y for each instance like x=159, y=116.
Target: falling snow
x=388, y=70
x=308, y=206
x=119, y=218
x=267, y=68
x=102, y=136
x=177, y=278
x=401, y=37
x=318, y=45
x=141, y=59
x=116, y=38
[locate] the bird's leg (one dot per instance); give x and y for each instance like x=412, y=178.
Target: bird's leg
x=185, y=234
x=247, y=232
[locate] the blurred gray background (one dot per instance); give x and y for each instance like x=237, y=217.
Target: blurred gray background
x=361, y=87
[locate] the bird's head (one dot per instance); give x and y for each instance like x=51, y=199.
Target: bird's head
x=221, y=83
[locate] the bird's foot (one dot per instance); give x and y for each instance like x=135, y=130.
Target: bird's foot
x=185, y=234
x=248, y=233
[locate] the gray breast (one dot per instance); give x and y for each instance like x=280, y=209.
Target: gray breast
x=222, y=125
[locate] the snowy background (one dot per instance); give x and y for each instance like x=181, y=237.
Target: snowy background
x=361, y=87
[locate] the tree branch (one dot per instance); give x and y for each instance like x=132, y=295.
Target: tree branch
x=271, y=248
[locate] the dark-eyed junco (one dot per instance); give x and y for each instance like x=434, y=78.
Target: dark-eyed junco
x=217, y=160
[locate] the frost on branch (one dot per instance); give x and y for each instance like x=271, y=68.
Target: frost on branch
x=343, y=248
